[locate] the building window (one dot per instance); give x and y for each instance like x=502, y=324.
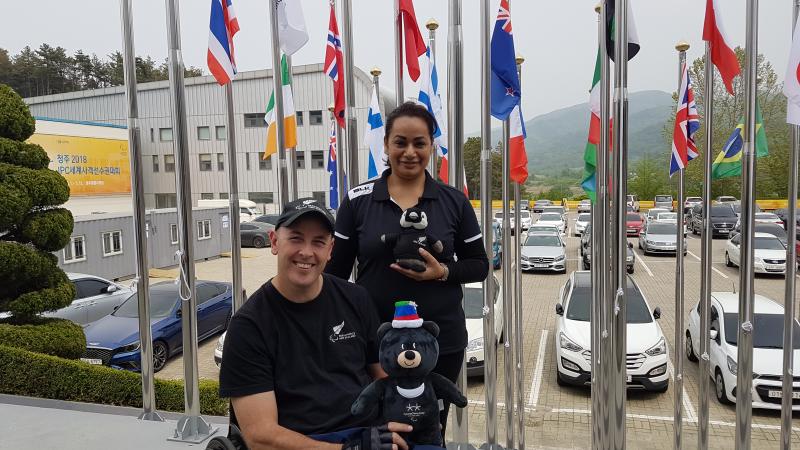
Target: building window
x=223, y=196
x=203, y=134
x=205, y=162
x=319, y=196
x=151, y=135
x=260, y=197
x=301, y=159
x=169, y=163
x=155, y=163
x=112, y=243
x=206, y=196
x=75, y=250
x=318, y=159
x=173, y=233
x=247, y=161
x=264, y=164
x=254, y=120
x=166, y=200
x=315, y=117
x=220, y=132
x=299, y=115
x=220, y=161
x=203, y=229
x=165, y=134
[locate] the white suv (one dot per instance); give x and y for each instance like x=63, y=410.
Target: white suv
x=767, y=349
x=647, y=359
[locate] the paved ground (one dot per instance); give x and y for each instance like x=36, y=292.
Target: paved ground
x=559, y=417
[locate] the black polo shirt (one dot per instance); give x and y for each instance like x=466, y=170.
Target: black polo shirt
x=368, y=212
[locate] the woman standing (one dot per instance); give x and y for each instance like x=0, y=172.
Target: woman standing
x=374, y=208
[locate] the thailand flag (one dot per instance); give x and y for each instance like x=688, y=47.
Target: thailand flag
x=505, y=87
x=333, y=192
x=221, y=62
x=687, y=122
x=373, y=137
x=334, y=67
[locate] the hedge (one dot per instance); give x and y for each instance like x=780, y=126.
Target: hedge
x=36, y=375
x=57, y=337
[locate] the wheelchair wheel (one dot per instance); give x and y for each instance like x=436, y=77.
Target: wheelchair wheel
x=220, y=443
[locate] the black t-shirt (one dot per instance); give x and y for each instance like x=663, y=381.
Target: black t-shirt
x=313, y=355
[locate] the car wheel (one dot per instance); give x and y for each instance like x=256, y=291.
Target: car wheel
x=259, y=242
x=728, y=262
x=690, y=354
x=719, y=388
x=559, y=380
x=630, y=269
x=160, y=355
x=220, y=443
x=640, y=245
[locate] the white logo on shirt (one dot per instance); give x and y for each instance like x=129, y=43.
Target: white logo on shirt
x=339, y=336
x=358, y=191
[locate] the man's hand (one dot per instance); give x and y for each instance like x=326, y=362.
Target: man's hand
x=433, y=268
x=384, y=437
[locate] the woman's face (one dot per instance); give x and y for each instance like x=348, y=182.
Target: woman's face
x=409, y=147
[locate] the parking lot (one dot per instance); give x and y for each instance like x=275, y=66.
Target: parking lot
x=559, y=417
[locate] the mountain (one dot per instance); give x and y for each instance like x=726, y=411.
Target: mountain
x=557, y=139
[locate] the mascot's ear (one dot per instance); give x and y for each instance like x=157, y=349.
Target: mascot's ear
x=386, y=326
x=431, y=327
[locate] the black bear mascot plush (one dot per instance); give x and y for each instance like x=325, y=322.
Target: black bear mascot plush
x=406, y=244
x=408, y=353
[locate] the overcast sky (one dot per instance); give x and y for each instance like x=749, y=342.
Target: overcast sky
x=558, y=38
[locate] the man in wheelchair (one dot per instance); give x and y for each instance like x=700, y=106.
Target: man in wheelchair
x=301, y=349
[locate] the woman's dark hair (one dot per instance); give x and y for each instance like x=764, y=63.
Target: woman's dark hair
x=411, y=109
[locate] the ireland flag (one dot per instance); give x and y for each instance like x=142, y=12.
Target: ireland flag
x=289, y=118
x=590, y=153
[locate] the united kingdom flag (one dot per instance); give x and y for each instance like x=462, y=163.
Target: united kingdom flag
x=687, y=122
x=333, y=67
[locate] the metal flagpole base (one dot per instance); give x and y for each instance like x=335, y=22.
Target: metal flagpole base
x=493, y=447
x=192, y=429
x=457, y=446
x=153, y=416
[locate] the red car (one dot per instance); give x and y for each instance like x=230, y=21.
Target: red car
x=634, y=224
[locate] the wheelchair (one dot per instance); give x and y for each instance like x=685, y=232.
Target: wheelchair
x=233, y=441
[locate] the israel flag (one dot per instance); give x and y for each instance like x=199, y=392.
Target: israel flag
x=373, y=137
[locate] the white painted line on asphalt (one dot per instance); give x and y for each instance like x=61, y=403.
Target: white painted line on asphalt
x=691, y=413
x=719, y=273
x=693, y=255
x=639, y=260
x=536, y=383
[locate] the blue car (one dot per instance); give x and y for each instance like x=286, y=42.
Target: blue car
x=497, y=251
x=114, y=339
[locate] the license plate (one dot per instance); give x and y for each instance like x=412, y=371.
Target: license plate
x=775, y=266
x=94, y=361
x=631, y=230
x=779, y=394
x=541, y=266
x=628, y=378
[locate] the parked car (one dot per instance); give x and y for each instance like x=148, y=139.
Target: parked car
x=543, y=228
x=726, y=199
x=218, y=349
x=633, y=224
x=660, y=238
x=585, y=206
x=647, y=360
x=539, y=204
x=549, y=218
x=554, y=209
x=652, y=214
x=737, y=207
x=581, y=222
x=586, y=239
x=630, y=258
x=255, y=234
x=525, y=219
x=771, y=228
x=633, y=202
x=95, y=298
x=247, y=208
x=271, y=219
x=544, y=252
x=524, y=205
x=663, y=201
x=667, y=217
x=473, y=310
x=783, y=214
x=723, y=219
x=768, y=317
x=691, y=202
x=768, y=217
x=497, y=248
x=769, y=253
x=114, y=339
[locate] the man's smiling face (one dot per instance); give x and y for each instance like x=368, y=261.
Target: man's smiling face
x=303, y=249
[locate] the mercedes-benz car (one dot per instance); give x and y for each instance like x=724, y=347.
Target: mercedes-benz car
x=542, y=251
x=660, y=238
x=556, y=219
x=769, y=253
x=647, y=360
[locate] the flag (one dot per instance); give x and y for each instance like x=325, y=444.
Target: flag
x=413, y=43
x=633, y=36
x=289, y=118
x=791, y=84
x=373, y=137
x=333, y=192
x=223, y=25
x=729, y=160
x=333, y=67
x=589, y=182
x=292, y=34
x=722, y=55
x=505, y=88
x=516, y=143
x=687, y=122
x=429, y=97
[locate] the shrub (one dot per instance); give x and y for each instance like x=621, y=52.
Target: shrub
x=55, y=337
x=23, y=154
x=32, y=282
x=16, y=121
x=35, y=375
x=48, y=230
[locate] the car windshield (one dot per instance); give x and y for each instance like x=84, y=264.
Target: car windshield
x=634, y=218
x=584, y=217
x=473, y=303
x=766, y=216
x=771, y=228
x=722, y=211
x=543, y=240
x=579, y=307
x=545, y=228
x=653, y=213
x=663, y=198
x=727, y=199
x=162, y=300
x=525, y=214
x=550, y=217
x=768, y=243
x=668, y=216
x=694, y=199
x=767, y=330
x=662, y=228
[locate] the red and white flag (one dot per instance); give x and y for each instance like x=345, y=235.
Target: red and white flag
x=721, y=53
x=516, y=146
x=414, y=43
x=791, y=84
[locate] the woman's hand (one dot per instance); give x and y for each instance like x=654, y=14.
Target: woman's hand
x=434, y=270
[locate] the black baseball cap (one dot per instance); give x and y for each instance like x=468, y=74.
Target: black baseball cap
x=303, y=207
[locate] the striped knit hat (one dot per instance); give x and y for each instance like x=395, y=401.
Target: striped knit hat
x=405, y=315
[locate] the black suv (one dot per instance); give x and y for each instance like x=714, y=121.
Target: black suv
x=723, y=219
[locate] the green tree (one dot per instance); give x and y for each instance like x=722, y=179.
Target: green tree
x=31, y=223
x=472, y=167
x=647, y=177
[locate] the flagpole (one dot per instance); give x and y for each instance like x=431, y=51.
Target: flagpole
x=277, y=86
x=597, y=267
x=489, y=341
x=455, y=99
x=191, y=427
x=681, y=47
x=791, y=272
x=508, y=329
x=233, y=198
x=351, y=126
x=139, y=213
x=398, y=54
x=293, y=192
x=376, y=73
x=518, y=311
x=432, y=25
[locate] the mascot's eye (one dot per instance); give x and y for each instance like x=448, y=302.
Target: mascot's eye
x=414, y=345
x=402, y=346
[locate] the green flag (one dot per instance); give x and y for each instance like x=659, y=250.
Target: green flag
x=589, y=182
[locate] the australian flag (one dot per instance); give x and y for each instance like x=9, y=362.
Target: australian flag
x=687, y=122
x=505, y=87
x=333, y=194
